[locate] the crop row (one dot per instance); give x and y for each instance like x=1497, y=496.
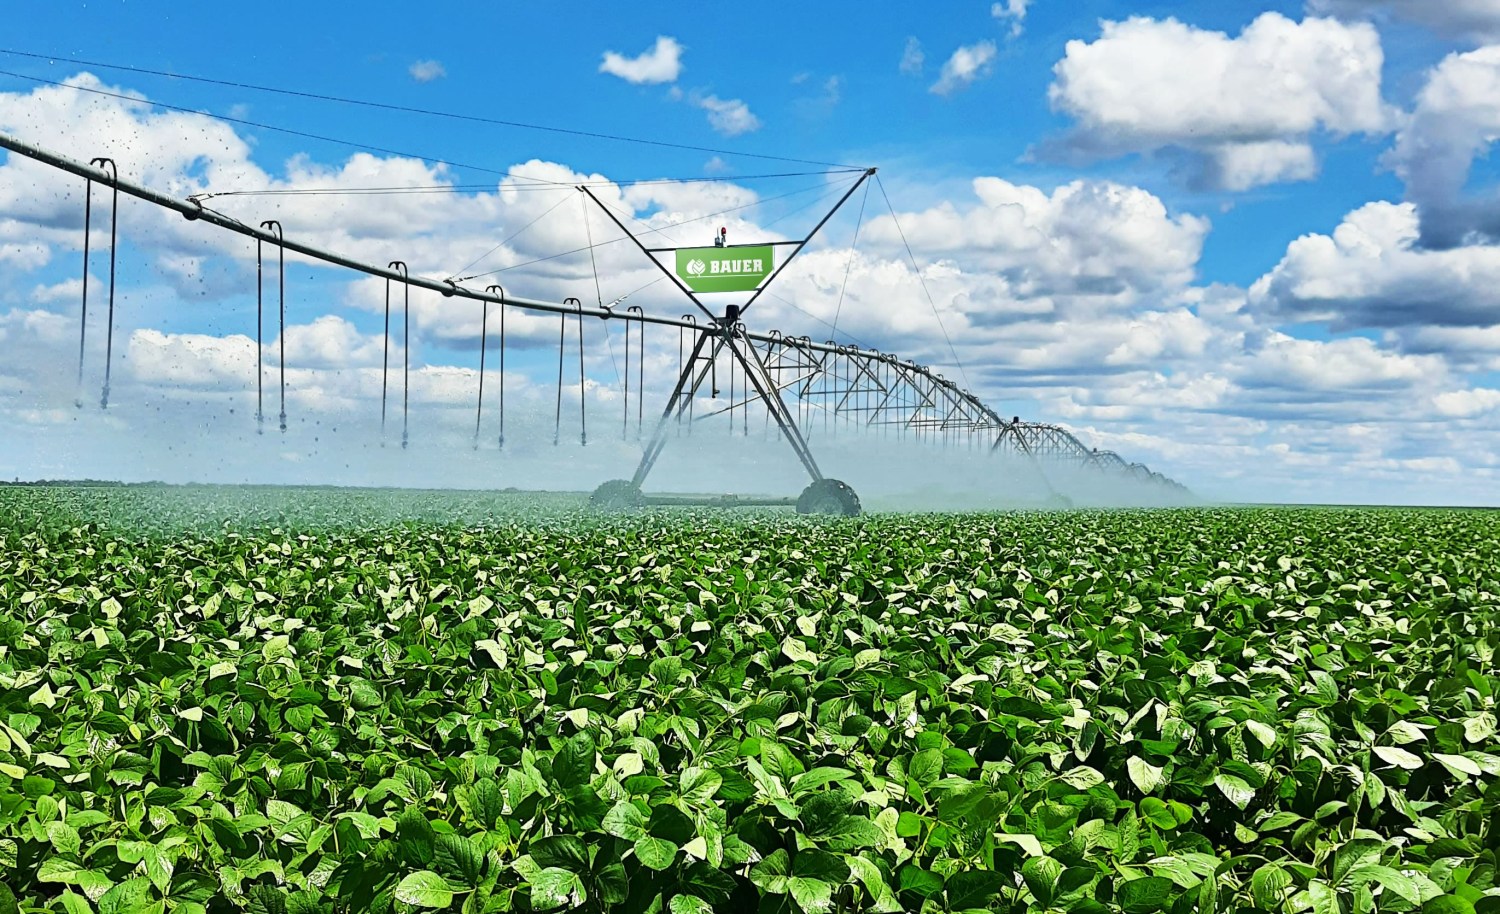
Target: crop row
x=1097, y=713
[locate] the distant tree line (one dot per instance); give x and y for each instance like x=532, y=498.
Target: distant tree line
x=75, y=483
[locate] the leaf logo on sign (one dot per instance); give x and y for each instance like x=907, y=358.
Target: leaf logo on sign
x=696, y=267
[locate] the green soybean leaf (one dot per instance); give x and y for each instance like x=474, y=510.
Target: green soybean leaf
x=1389, y=879
x=1447, y=904
x=556, y=888
x=1041, y=875
x=573, y=765
x=1145, y=776
x=656, y=853
x=415, y=838
x=1458, y=765
x=1400, y=758
x=1144, y=896
x=626, y=821
x=1269, y=885
x=920, y=882
x=425, y=889
x=689, y=904
x=1234, y=789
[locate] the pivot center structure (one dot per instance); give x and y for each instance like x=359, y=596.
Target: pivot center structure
x=729, y=268
x=876, y=391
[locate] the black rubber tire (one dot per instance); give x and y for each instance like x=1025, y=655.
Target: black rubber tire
x=617, y=495
x=829, y=497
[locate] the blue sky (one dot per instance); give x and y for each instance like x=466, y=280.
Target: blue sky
x=1116, y=191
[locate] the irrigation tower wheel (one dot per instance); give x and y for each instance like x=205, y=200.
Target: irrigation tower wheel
x=829, y=496
x=617, y=495
x=1057, y=501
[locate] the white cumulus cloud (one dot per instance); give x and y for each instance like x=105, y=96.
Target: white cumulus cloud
x=1456, y=120
x=968, y=64
x=729, y=116
x=1477, y=20
x=1355, y=364
x=1012, y=11
x=1371, y=273
x=425, y=71
x=661, y=63
x=1245, y=108
x=912, y=58
x=1466, y=404
x=1085, y=238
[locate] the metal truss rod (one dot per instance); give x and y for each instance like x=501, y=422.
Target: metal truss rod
x=755, y=369
x=649, y=256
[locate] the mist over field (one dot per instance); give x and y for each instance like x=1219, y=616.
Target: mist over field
x=888, y=471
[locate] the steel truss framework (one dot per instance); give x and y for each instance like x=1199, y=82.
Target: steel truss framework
x=879, y=392
x=799, y=381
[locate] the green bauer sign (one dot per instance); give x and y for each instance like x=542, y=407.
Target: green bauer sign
x=737, y=269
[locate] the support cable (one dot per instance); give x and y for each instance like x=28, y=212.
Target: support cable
x=643, y=288
x=136, y=100
x=588, y=234
x=923, y=280
x=406, y=109
x=508, y=239
x=518, y=184
x=661, y=230
x=820, y=198
x=853, y=251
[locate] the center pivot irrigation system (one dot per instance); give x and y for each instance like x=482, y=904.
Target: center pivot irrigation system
x=796, y=380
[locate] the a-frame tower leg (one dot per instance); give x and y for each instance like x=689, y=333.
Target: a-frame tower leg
x=823, y=495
